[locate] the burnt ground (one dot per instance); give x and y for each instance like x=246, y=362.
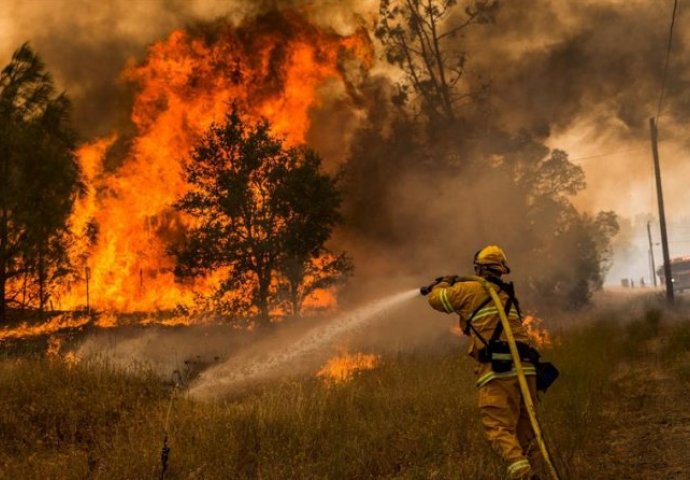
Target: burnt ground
x=649, y=413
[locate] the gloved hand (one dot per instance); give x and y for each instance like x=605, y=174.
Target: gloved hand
x=450, y=279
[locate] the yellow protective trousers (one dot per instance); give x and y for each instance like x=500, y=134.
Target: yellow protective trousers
x=507, y=425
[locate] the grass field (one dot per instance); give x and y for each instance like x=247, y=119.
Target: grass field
x=413, y=417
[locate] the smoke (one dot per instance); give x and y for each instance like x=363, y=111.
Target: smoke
x=582, y=76
x=579, y=76
x=86, y=45
x=586, y=77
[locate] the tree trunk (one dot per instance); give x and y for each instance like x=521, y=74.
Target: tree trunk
x=41, y=283
x=295, y=299
x=262, y=301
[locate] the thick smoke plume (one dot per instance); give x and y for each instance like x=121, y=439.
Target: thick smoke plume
x=585, y=75
x=87, y=45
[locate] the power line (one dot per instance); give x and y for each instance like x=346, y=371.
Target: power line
x=668, y=56
x=597, y=155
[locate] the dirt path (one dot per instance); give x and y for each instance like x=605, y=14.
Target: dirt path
x=649, y=409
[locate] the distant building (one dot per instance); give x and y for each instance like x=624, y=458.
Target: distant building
x=680, y=274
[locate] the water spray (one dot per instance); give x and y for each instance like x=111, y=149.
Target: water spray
x=241, y=370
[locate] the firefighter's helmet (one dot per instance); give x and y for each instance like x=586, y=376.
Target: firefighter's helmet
x=492, y=257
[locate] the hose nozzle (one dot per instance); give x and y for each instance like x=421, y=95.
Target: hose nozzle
x=426, y=289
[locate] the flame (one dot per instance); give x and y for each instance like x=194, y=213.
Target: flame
x=342, y=368
x=273, y=69
x=54, y=351
x=54, y=344
x=107, y=320
x=176, y=321
x=536, y=331
x=321, y=299
x=61, y=322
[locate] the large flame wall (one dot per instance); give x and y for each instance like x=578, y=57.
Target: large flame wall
x=272, y=68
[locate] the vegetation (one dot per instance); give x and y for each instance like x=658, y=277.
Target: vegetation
x=469, y=178
x=264, y=213
x=418, y=39
x=412, y=417
x=39, y=179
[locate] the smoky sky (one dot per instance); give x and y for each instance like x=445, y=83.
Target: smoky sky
x=552, y=63
x=581, y=75
x=548, y=61
x=87, y=44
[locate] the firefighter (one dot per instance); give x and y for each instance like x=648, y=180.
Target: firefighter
x=502, y=410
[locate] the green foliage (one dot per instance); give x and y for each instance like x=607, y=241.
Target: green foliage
x=263, y=213
x=39, y=179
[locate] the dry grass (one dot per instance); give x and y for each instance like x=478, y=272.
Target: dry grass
x=414, y=417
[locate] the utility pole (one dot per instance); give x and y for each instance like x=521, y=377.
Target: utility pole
x=651, y=253
x=662, y=216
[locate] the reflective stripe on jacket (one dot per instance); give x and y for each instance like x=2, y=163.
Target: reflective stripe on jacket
x=463, y=298
x=486, y=377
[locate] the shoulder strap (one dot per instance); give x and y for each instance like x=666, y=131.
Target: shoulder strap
x=499, y=326
x=469, y=326
x=474, y=313
x=510, y=290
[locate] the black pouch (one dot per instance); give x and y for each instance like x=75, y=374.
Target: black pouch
x=547, y=373
x=500, y=357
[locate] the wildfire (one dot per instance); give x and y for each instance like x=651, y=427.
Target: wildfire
x=62, y=322
x=272, y=68
x=54, y=345
x=54, y=351
x=536, y=331
x=342, y=368
x=534, y=326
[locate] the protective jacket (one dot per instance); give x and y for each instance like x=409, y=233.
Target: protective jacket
x=479, y=319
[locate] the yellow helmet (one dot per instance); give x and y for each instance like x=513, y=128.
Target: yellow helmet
x=492, y=257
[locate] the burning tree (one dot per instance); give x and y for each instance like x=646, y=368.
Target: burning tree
x=39, y=179
x=263, y=214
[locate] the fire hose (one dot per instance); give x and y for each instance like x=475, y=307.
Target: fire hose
x=524, y=388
